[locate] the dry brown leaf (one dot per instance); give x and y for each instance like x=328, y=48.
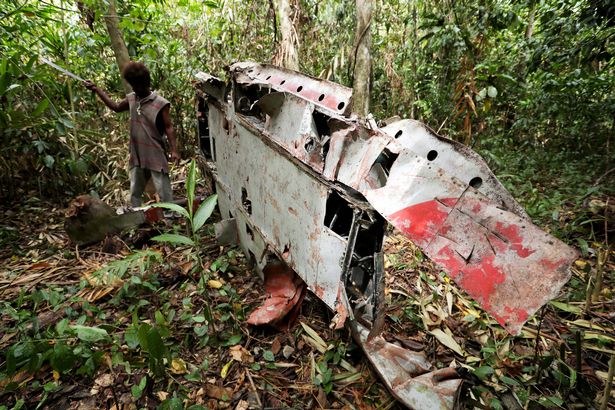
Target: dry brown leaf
x=104, y=380
x=276, y=346
x=217, y=392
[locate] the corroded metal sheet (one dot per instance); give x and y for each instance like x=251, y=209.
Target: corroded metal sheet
x=454, y=158
x=326, y=94
x=408, y=375
x=308, y=185
x=276, y=205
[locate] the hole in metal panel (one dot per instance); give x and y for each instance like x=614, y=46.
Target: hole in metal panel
x=268, y=77
x=309, y=145
x=299, y=88
x=476, y=182
x=379, y=173
x=252, y=258
x=431, y=155
x=341, y=105
x=205, y=137
x=322, y=124
x=398, y=134
x=282, y=82
x=245, y=201
x=338, y=214
x=322, y=97
x=250, y=232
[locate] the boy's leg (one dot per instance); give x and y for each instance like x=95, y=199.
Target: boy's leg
x=162, y=182
x=137, y=185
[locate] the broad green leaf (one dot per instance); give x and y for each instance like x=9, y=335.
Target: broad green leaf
x=483, y=372
x=62, y=358
x=61, y=326
x=142, y=335
x=190, y=186
x=233, y=340
x=89, y=333
x=172, y=404
x=584, y=246
x=155, y=345
x=268, y=356
x=67, y=122
x=42, y=106
x=509, y=381
x=159, y=318
x=131, y=338
x=204, y=212
x=566, y=307
x=174, y=239
x=173, y=207
x=137, y=390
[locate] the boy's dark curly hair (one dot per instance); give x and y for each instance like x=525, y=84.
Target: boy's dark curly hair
x=136, y=74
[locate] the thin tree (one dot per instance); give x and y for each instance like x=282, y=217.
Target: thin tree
x=287, y=54
x=117, y=41
x=362, y=59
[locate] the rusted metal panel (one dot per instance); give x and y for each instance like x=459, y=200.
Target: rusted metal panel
x=503, y=261
x=408, y=375
x=454, y=158
x=276, y=205
x=309, y=186
x=328, y=95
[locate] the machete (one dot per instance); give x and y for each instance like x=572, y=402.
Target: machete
x=57, y=67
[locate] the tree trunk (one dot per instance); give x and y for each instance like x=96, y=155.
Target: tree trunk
x=287, y=55
x=529, y=30
x=415, y=50
x=117, y=42
x=362, y=59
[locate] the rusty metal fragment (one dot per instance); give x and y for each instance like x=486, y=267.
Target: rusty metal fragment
x=285, y=291
x=307, y=184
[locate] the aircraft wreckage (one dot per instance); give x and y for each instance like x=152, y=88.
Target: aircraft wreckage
x=302, y=182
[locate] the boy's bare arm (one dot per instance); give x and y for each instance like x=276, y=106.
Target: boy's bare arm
x=115, y=106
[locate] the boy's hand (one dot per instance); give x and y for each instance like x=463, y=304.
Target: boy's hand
x=89, y=85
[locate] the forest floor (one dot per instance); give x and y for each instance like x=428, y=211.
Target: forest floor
x=126, y=324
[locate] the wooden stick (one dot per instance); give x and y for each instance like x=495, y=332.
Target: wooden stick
x=577, y=347
x=258, y=399
x=609, y=384
x=602, y=257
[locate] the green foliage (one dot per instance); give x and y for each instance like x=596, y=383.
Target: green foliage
x=195, y=220
x=117, y=269
x=535, y=73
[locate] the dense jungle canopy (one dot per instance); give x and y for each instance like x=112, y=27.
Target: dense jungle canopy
x=531, y=75
x=134, y=323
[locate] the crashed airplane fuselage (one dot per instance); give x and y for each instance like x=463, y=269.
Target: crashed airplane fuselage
x=302, y=181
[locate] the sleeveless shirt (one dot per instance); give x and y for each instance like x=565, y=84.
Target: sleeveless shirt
x=147, y=147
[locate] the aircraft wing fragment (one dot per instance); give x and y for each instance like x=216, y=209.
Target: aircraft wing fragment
x=305, y=183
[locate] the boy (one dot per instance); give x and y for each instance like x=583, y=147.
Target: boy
x=149, y=122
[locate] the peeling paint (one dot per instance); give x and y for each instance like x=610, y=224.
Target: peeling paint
x=308, y=184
